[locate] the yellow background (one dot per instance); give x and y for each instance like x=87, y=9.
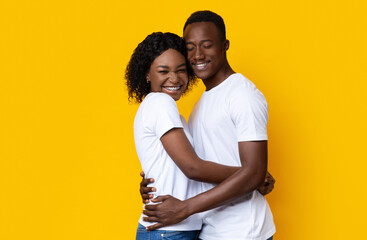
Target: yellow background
x=68, y=167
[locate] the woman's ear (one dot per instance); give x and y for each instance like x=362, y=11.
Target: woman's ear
x=148, y=78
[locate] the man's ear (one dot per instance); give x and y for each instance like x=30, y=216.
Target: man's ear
x=226, y=45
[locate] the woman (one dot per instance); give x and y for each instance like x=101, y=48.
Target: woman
x=157, y=75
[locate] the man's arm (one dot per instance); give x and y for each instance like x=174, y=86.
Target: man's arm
x=145, y=191
x=251, y=175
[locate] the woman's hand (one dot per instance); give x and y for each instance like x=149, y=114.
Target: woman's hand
x=268, y=185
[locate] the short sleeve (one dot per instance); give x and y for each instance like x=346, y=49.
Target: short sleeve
x=161, y=114
x=249, y=113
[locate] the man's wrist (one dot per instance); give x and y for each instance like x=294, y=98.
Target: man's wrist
x=189, y=207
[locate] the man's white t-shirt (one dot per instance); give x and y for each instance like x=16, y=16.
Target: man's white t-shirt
x=158, y=114
x=229, y=113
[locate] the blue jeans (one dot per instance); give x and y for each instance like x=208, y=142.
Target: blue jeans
x=143, y=234
x=271, y=238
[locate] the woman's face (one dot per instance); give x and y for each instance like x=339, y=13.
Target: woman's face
x=168, y=74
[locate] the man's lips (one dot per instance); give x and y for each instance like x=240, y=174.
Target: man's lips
x=200, y=66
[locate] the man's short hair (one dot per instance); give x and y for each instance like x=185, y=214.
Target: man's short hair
x=208, y=16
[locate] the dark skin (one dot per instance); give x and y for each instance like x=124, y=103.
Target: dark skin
x=207, y=56
x=145, y=191
x=247, y=179
x=169, y=69
x=180, y=150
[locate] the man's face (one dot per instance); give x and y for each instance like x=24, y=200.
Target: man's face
x=206, y=50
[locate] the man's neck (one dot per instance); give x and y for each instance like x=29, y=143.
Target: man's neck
x=218, y=78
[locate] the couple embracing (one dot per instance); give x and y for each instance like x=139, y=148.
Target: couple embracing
x=207, y=176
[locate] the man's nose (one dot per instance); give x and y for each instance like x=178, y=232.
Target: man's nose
x=198, y=53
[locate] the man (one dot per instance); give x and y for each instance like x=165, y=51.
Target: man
x=228, y=126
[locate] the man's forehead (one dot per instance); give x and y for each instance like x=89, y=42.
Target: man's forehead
x=201, y=30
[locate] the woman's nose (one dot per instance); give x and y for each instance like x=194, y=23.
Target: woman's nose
x=173, y=77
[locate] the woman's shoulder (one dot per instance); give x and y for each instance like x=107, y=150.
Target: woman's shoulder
x=159, y=103
x=159, y=98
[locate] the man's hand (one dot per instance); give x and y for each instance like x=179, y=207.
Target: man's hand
x=170, y=211
x=268, y=185
x=145, y=190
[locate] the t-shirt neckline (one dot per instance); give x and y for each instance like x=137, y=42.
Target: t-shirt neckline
x=220, y=84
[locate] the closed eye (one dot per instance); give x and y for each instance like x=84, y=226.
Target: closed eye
x=183, y=70
x=189, y=47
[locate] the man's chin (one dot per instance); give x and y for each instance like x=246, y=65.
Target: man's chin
x=201, y=75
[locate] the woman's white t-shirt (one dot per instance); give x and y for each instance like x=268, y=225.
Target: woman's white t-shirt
x=158, y=114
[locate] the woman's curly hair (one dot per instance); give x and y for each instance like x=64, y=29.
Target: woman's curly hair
x=141, y=60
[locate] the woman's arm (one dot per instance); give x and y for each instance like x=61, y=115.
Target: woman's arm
x=182, y=153
x=145, y=191
x=253, y=157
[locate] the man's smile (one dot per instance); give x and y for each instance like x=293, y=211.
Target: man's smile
x=200, y=66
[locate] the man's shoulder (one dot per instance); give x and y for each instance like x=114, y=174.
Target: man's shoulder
x=241, y=87
x=239, y=81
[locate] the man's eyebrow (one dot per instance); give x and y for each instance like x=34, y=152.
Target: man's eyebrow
x=182, y=65
x=202, y=41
